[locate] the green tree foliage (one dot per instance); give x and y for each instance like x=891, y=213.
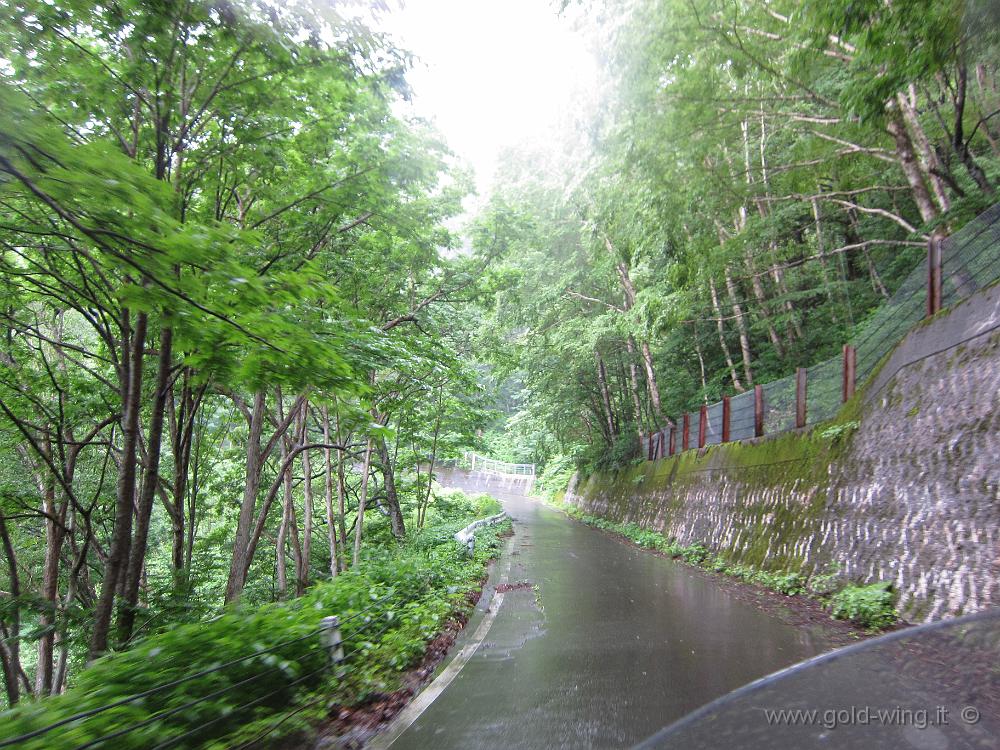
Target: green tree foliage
x=231, y=316
x=758, y=178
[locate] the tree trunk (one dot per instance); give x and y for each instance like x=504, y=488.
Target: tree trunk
x=307, y=521
x=654, y=388
x=341, y=497
x=54, y=534
x=602, y=382
x=821, y=253
x=741, y=327
x=391, y=494
x=765, y=314
x=422, y=510
x=293, y=531
x=628, y=289
x=959, y=143
x=908, y=161
x=701, y=363
x=234, y=586
x=147, y=495
x=286, y=509
x=182, y=435
x=927, y=157
x=125, y=493
x=633, y=380
x=794, y=329
x=10, y=643
x=362, y=501
x=722, y=337
x=331, y=524
x=79, y=562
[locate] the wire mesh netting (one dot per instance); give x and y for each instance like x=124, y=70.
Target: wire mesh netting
x=891, y=322
x=779, y=405
x=694, y=418
x=713, y=426
x=824, y=389
x=741, y=416
x=970, y=261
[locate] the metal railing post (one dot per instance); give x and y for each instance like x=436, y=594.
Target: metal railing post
x=800, y=397
x=758, y=410
x=933, y=275
x=850, y=372
x=332, y=640
x=702, y=425
x=726, y=408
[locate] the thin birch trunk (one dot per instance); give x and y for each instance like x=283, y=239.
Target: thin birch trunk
x=741, y=327
x=362, y=501
x=722, y=337
x=331, y=522
x=633, y=373
x=602, y=382
x=908, y=161
x=926, y=156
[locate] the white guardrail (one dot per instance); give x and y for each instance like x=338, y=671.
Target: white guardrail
x=482, y=463
x=467, y=536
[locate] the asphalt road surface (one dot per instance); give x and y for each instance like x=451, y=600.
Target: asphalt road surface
x=597, y=645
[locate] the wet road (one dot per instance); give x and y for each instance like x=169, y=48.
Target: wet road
x=605, y=645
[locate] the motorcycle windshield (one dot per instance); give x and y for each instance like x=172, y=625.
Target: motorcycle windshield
x=933, y=687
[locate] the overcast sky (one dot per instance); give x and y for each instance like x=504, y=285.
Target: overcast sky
x=492, y=73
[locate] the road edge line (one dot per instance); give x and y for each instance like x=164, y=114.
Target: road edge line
x=429, y=694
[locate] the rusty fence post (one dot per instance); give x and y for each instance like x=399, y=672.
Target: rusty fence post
x=725, y=419
x=933, y=275
x=758, y=410
x=850, y=371
x=702, y=425
x=673, y=439
x=686, y=432
x=800, y=397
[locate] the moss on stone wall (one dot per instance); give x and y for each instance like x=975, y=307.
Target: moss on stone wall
x=896, y=487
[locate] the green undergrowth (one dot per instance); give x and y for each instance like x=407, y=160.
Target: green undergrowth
x=871, y=607
x=389, y=609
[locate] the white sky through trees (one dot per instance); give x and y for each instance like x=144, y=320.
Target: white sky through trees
x=493, y=73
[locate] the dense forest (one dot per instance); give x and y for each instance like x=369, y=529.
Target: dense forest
x=756, y=180
x=240, y=331
x=229, y=327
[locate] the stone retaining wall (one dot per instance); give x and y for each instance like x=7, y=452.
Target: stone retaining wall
x=901, y=487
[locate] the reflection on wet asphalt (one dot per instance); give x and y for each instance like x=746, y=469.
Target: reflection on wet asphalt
x=606, y=646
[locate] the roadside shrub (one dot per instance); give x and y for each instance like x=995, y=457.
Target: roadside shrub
x=694, y=554
x=825, y=584
x=789, y=584
x=871, y=606
x=389, y=608
x=716, y=564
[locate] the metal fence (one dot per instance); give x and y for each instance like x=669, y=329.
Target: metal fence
x=491, y=465
x=957, y=267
